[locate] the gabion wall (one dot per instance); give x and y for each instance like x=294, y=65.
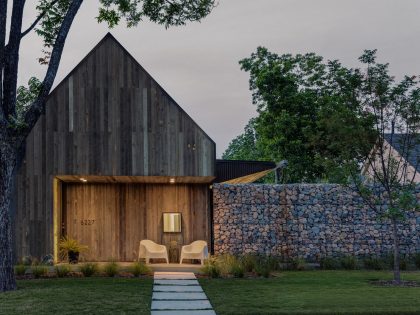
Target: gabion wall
x=303, y=220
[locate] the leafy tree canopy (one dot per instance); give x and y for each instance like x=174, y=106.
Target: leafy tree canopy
x=310, y=112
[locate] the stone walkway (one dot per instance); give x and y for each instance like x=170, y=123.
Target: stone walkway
x=179, y=293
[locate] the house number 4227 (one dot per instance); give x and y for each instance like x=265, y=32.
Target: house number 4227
x=87, y=222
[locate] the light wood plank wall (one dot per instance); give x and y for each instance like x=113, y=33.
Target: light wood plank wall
x=111, y=219
x=107, y=117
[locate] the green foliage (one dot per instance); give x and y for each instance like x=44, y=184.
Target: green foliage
x=226, y=263
x=265, y=265
x=24, y=98
x=309, y=113
x=388, y=188
x=237, y=270
x=111, y=269
x=417, y=260
x=68, y=244
x=230, y=265
x=52, y=20
x=39, y=271
x=244, y=147
x=167, y=13
x=20, y=269
x=62, y=271
x=89, y=269
x=349, y=262
x=211, y=268
x=329, y=263
x=139, y=268
x=249, y=262
x=375, y=263
x=298, y=264
x=404, y=263
x=27, y=260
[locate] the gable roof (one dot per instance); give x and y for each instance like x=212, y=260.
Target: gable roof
x=398, y=142
x=107, y=37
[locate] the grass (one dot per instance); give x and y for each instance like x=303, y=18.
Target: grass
x=70, y=296
x=313, y=292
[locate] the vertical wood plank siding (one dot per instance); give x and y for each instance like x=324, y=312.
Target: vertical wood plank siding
x=118, y=216
x=107, y=117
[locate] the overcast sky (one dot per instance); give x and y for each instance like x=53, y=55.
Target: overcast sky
x=198, y=64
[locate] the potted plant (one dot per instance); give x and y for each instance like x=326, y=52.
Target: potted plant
x=70, y=249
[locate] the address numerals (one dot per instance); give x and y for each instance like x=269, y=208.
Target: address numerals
x=87, y=222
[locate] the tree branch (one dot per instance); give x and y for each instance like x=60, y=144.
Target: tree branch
x=3, y=22
x=35, y=110
x=12, y=60
x=39, y=18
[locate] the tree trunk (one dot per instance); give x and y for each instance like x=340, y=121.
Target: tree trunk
x=397, y=276
x=8, y=158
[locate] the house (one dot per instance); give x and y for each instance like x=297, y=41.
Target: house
x=403, y=150
x=112, y=153
x=109, y=156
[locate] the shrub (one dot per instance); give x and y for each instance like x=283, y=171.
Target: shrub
x=404, y=263
x=226, y=264
x=20, y=269
x=62, y=271
x=349, y=262
x=298, y=264
x=39, y=271
x=238, y=270
x=249, y=262
x=264, y=266
x=111, y=269
x=211, y=268
x=374, y=263
x=328, y=263
x=69, y=249
x=139, y=268
x=417, y=260
x=27, y=260
x=89, y=269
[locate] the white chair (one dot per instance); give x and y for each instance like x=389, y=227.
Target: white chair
x=196, y=250
x=149, y=249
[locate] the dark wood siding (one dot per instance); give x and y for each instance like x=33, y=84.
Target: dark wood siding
x=107, y=117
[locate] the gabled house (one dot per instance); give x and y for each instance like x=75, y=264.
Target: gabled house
x=403, y=150
x=111, y=153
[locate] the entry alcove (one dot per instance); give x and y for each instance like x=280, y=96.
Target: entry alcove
x=112, y=218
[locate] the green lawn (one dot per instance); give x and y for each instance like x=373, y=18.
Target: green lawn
x=313, y=292
x=79, y=296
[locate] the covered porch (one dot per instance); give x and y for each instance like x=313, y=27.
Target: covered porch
x=112, y=214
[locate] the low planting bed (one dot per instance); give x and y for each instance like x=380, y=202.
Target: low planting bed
x=314, y=292
x=78, y=296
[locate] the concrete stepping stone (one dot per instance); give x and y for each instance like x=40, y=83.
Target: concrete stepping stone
x=176, y=282
x=181, y=305
x=179, y=296
x=184, y=312
x=177, y=288
x=174, y=276
x=179, y=293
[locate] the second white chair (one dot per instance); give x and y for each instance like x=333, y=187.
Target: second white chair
x=149, y=249
x=196, y=250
